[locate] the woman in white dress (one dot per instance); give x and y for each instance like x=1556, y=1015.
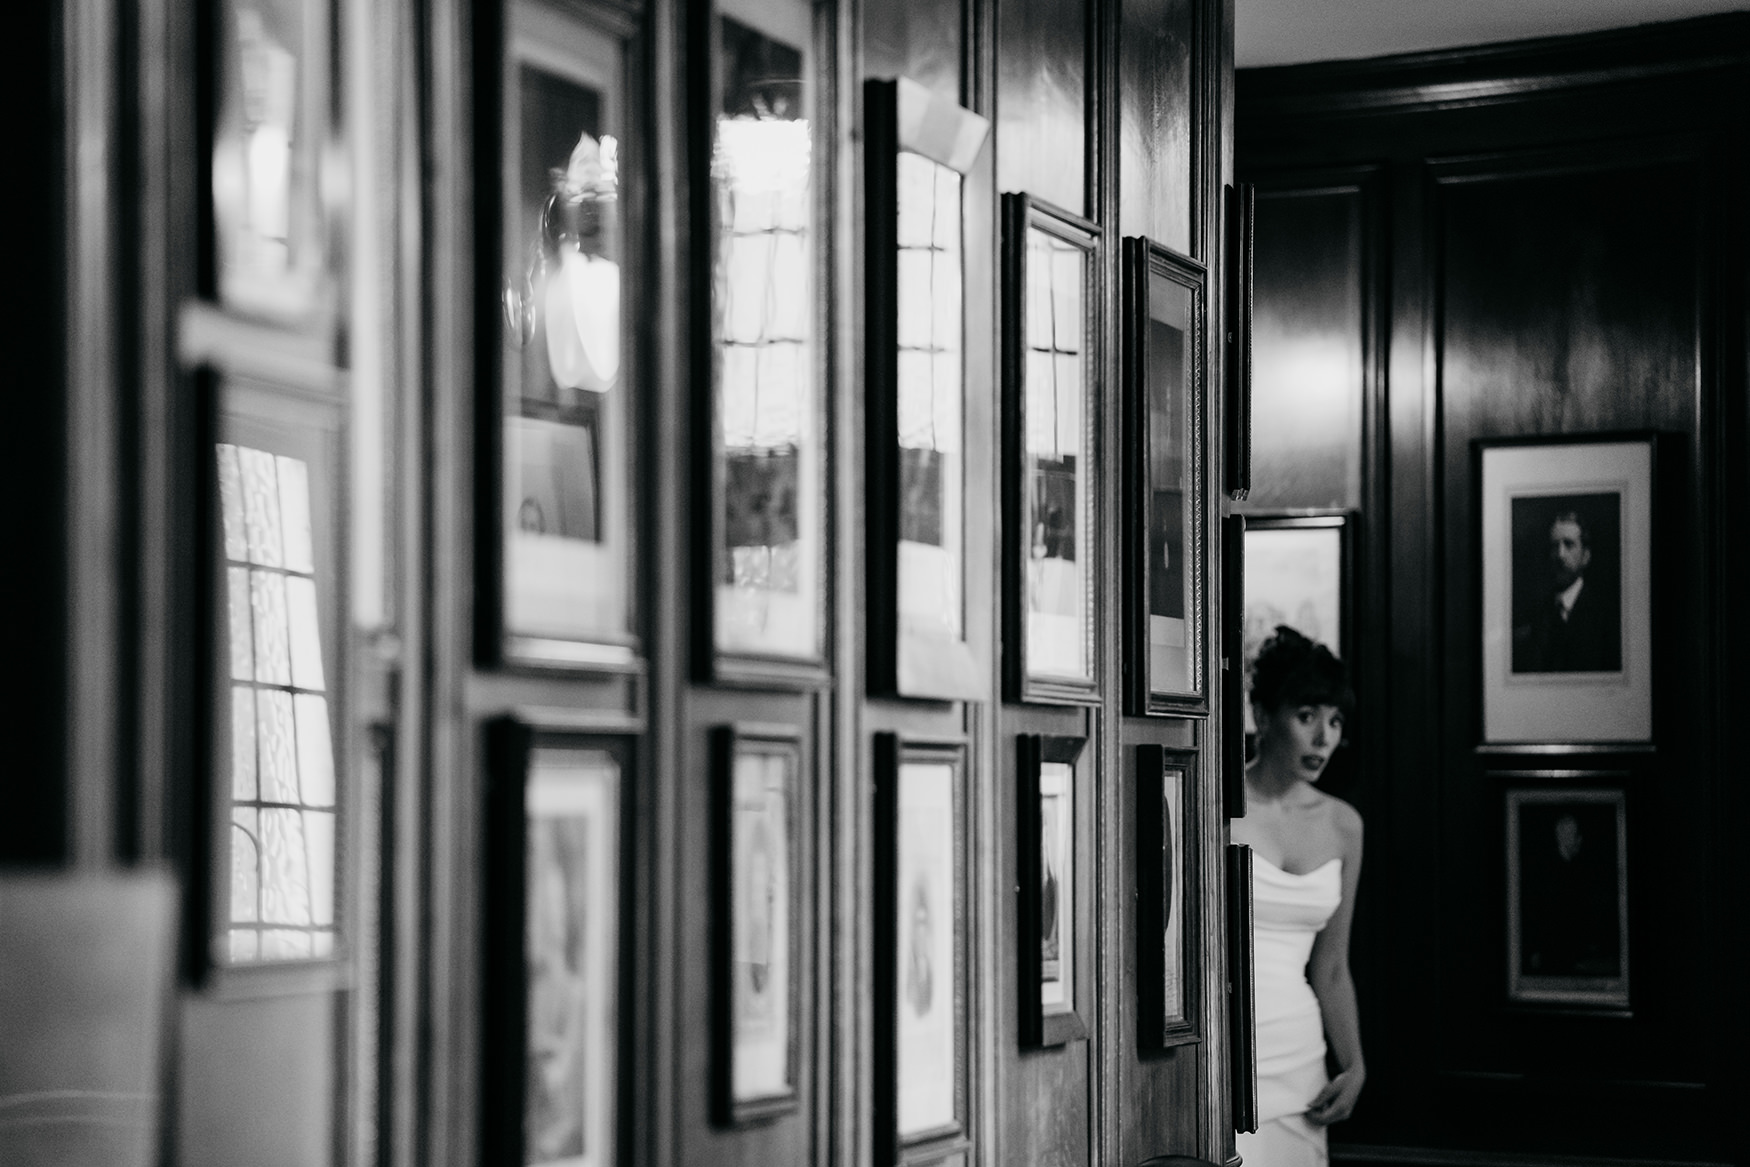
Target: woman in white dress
x=1306, y=863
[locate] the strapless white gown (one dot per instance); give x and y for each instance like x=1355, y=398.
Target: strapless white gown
x=1288, y=912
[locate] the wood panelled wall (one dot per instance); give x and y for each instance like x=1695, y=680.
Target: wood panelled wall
x=1537, y=239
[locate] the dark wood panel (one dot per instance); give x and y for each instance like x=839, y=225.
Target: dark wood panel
x=1308, y=349
x=1155, y=121
x=1042, y=101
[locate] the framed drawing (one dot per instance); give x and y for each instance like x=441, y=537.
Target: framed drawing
x=1299, y=571
x=928, y=390
x=1567, y=893
x=1048, y=888
x=921, y=1015
x=756, y=773
x=1164, y=575
x=1168, y=961
x=1239, y=214
x=1567, y=608
x=555, y=889
x=279, y=815
x=1051, y=454
x=557, y=507
x=764, y=612
x=269, y=137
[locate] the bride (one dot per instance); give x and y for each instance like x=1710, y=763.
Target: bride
x=1307, y=851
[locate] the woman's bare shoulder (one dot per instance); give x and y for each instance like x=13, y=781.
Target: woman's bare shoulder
x=1344, y=817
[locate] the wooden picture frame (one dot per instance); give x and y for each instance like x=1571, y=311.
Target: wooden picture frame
x=761, y=577
x=276, y=690
x=922, y=1081
x=1242, y=991
x=1165, y=572
x=556, y=895
x=1233, y=670
x=270, y=137
x=927, y=166
x=757, y=951
x=1239, y=233
x=1053, y=464
x=1568, y=928
x=1567, y=530
x=1048, y=867
x=562, y=248
x=1168, y=908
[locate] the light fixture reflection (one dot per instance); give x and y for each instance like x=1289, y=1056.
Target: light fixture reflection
x=570, y=288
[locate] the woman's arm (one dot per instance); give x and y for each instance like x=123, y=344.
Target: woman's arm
x=1331, y=983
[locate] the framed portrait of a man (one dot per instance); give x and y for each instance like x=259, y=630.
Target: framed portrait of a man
x=1567, y=532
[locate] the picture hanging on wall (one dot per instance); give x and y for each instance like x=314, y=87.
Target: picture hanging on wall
x=1048, y=887
x=1164, y=573
x=1567, y=893
x=763, y=617
x=557, y=510
x=554, y=891
x=1168, y=925
x=755, y=782
x=929, y=390
x=920, y=944
x=1299, y=572
x=1567, y=605
x=1051, y=454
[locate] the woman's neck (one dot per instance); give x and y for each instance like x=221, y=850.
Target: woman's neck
x=1269, y=781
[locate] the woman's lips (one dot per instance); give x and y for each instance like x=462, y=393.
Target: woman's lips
x=1313, y=761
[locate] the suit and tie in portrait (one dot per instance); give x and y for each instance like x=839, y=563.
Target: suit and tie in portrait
x=1567, y=609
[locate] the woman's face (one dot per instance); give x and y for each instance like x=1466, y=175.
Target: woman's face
x=1300, y=737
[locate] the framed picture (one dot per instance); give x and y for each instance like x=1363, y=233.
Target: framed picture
x=1233, y=669
x=1240, y=204
x=1299, y=572
x=269, y=137
x=764, y=610
x=1048, y=888
x=755, y=779
x=1567, y=893
x=1168, y=963
x=921, y=964
x=1051, y=453
x=557, y=507
x=1164, y=574
x=1567, y=606
x=555, y=889
x=1242, y=991
x=928, y=390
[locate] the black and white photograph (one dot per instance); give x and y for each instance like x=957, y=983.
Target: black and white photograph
x=1567, y=598
x=1049, y=888
x=928, y=955
x=1567, y=905
x=1168, y=941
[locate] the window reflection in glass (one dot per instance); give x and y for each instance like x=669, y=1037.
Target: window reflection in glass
x=1171, y=518
x=282, y=783
x=1058, y=555
x=931, y=343
x=762, y=171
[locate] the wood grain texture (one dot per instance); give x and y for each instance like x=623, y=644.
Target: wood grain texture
x=1156, y=49
x=1042, y=71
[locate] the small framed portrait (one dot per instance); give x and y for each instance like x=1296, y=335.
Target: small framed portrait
x=921, y=1075
x=1051, y=448
x=552, y=1037
x=1165, y=589
x=763, y=601
x=1567, y=893
x=1299, y=572
x=1567, y=611
x=1168, y=927
x=756, y=776
x=929, y=390
x=1048, y=887
x=555, y=540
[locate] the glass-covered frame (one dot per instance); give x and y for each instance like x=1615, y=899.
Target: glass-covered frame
x=761, y=575
x=280, y=823
x=555, y=1045
x=928, y=174
x=1166, y=434
x=1049, y=861
x=562, y=249
x=1052, y=465
x=1169, y=921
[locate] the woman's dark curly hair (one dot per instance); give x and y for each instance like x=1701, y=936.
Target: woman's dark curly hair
x=1292, y=671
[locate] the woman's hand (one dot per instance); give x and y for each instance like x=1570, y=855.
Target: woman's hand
x=1337, y=1100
